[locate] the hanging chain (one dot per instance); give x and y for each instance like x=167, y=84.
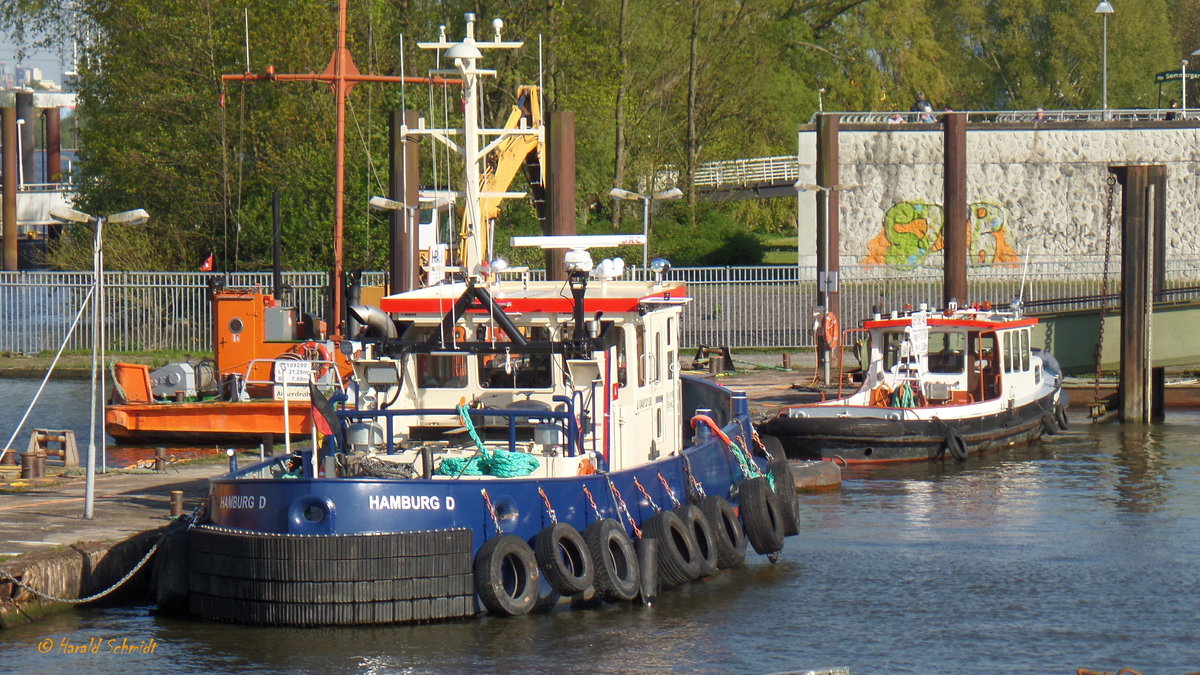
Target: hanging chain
x=645, y=494
x=491, y=510
x=670, y=492
x=1108, y=226
x=549, y=511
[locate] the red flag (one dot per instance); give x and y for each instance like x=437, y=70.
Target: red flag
x=206, y=266
x=221, y=101
x=324, y=414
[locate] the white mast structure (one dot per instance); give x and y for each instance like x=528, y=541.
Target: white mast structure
x=465, y=56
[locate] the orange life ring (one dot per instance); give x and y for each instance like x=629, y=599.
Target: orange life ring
x=308, y=349
x=830, y=330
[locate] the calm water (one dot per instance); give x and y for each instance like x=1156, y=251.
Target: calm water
x=1079, y=551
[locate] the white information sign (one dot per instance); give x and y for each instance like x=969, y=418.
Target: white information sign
x=297, y=375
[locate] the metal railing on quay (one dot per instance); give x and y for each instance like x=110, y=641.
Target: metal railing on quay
x=752, y=306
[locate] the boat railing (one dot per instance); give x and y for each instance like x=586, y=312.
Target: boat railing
x=562, y=420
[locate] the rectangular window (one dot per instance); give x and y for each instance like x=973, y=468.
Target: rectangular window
x=506, y=370
x=891, y=349
x=1024, y=350
x=442, y=371
x=947, y=353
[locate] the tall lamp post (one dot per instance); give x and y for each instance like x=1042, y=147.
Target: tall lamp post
x=20, y=155
x=1104, y=9
x=134, y=217
x=827, y=283
x=668, y=195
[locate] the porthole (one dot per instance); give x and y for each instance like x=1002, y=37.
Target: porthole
x=236, y=326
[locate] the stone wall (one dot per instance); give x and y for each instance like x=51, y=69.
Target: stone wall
x=1039, y=192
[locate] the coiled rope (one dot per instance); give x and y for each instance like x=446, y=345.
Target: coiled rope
x=499, y=463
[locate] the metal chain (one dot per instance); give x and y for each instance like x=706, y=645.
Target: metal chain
x=621, y=507
x=550, y=511
x=670, y=492
x=4, y=574
x=1108, y=220
x=491, y=510
x=645, y=494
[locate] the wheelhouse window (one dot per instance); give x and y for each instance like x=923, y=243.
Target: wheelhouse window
x=441, y=371
x=510, y=370
x=892, y=343
x=947, y=353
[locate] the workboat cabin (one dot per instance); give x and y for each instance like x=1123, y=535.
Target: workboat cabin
x=934, y=384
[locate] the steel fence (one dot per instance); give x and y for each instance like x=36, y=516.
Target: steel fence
x=762, y=306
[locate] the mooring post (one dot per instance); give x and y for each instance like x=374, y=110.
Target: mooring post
x=561, y=216
x=954, y=195
x=1143, y=223
x=828, y=239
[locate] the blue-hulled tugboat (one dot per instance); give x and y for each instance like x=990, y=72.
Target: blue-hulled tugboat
x=936, y=385
x=506, y=443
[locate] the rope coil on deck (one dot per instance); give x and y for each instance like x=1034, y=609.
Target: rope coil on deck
x=499, y=463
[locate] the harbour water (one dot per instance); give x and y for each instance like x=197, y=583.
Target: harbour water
x=1078, y=551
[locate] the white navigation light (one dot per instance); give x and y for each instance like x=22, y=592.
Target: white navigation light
x=660, y=265
x=499, y=265
x=497, y=24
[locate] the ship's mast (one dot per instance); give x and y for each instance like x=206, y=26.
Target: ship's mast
x=341, y=74
x=465, y=57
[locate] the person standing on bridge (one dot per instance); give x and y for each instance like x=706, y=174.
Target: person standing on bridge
x=921, y=104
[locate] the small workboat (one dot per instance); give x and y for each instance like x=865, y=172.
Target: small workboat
x=935, y=384
x=503, y=444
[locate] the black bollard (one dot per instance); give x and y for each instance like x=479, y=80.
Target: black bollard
x=647, y=554
x=176, y=503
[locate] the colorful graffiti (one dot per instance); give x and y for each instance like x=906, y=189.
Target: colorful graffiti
x=912, y=231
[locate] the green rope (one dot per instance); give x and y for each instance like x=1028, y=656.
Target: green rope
x=501, y=463
x=903, y=397
x=749, y=468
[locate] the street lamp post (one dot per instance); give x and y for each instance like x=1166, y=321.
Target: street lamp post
x=667, y=195
x=1104, y=9
x=20, y=155
x=827, y=283
x=134, y=217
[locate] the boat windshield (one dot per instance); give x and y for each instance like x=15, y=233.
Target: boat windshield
x=946, y=351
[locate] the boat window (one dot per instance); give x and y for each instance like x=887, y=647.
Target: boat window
x=891, y=349
x=670, y=329
x=946, y=352
x=1024, y=350
x=640, y=351
x=442, y=371
x=659, y=362
x=1010, y=349
x=518, y=371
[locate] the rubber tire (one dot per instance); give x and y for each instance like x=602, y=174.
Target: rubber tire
x=762, y=515
x=1050, y=423
x=1060, y=415
x=616, y=577
x=702, y=533
x=785, y=487
x=678, y=553
x=774, y=446
x=731, y=538
x=506, y=575
x=955, y=444
x=564, y=559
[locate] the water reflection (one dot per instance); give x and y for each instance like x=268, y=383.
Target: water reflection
x=1142, y=474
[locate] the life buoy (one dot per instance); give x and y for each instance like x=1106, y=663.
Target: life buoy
x=678, y=554
x=762, y=515
x=311, y=350
x=616, y=577
x=506, y=575
x=829, y=330
x=564, y=559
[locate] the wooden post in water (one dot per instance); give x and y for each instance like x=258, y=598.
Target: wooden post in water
x=10, y=189
x=828, y=239
x=954, y=196
x=1143, y=225
x=403, y=265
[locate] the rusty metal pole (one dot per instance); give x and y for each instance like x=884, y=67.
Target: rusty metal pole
x=10, y=189
x=53, y=168
x=954, y=196
x=828, y=237
x=562, y=187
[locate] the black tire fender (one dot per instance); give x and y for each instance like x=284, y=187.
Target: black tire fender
x=1060, y=415
x=615, y=563
x=678, y=553
x=727, y=529
x=955, y=444
x=697, y=523
x=564, y=559
x=506, y=575
x=785, y=487
x=762, y=515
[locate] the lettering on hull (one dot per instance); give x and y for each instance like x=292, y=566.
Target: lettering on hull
x=410, y=503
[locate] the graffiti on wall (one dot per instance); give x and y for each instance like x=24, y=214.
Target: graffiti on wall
x=912, y=231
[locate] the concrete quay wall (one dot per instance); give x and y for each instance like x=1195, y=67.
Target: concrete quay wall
x=1038, y=190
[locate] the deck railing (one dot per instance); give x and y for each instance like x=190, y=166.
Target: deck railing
x=762, y=306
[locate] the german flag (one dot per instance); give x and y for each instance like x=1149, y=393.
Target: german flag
x=324, y=416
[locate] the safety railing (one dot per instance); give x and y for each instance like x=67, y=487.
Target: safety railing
x=753, y=306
